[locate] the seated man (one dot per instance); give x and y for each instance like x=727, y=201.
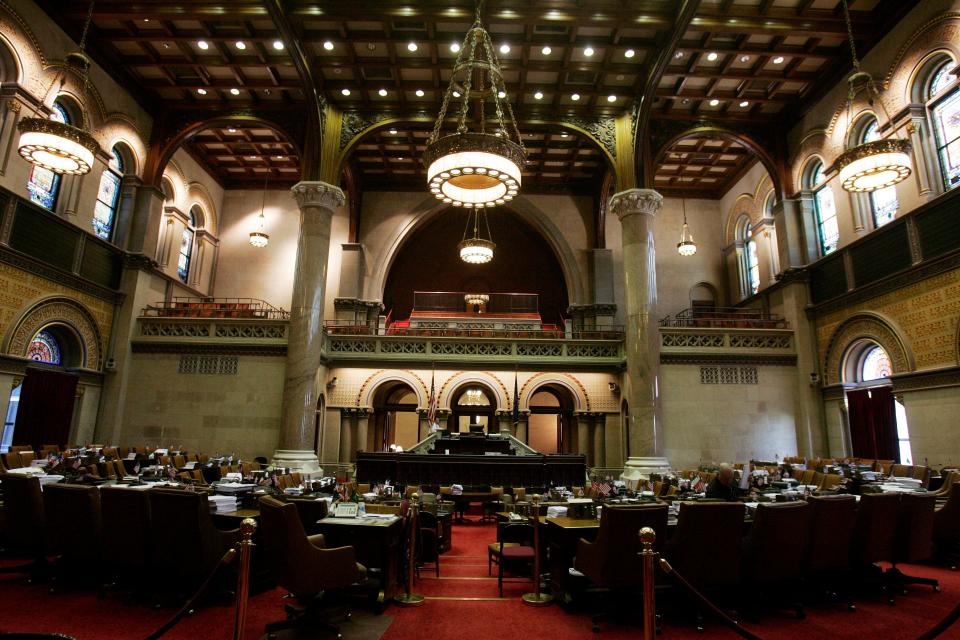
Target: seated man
x=722, y=487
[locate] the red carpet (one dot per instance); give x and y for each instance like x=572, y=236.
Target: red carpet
x=459, y=604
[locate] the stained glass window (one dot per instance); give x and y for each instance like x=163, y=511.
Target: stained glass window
x=875, y=365
x=43, y=185
x=942, y=78
x=186, y=249
x=826, y=210
x=44, y=348
x=108, y=197
x=946, y=127
x=884, y=201
x=753, y=267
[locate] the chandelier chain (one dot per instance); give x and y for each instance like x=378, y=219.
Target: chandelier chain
x=853, y=46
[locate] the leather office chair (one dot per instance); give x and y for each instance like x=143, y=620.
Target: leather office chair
x=429, y=545
x=922, y=474
x=914, y=539
x=11, y=460
x=708, y=561
x=310, y=512
x=874, y=532
x=826, y=557
x=613, y=560
x=125, y=514
x=514, y=547
x=901, y=471
x=183, y=541
x=771, y=567
x=303, y=565
x=830, y=481
x=73, y=512
x=946, y=528
x=25, y=529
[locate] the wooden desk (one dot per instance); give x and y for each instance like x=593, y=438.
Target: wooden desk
x=562, y=534
x=378, y=543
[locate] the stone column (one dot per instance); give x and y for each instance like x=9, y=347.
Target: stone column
x=598, y=433
x=584, y=426
x=636, y=209
x=317, y=201
x=363, y=429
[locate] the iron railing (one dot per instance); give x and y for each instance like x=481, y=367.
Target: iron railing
x=453, y=302
x=184, y=307
x=725, y=317
x=350, y=328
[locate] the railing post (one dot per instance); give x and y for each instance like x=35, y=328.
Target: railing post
x=536, y=599
x=647, y=537
x=408, y=598
x=247, y=529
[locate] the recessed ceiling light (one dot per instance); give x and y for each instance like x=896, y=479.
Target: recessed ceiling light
x=345, y=91
x=231, y=130
x=412, y=46
x=456, y=94
x=778, y=60
x=564, y=135
x=714, y=102
x=202, y=92
x=744, y=58
x=629, y=53
x=588, y=51
x=278, y=157
x=235, y=91
x=393, y=132
x=501, y=94
x=146, y=19
x=611, y=98
x=538, y=95
x=383, y=93
x=328, y=45
x=575, y=97
x=278, y=45
x=240, y=44
x=203, y=44
x=504, y=48
x=399, y=157
x=546, y=51
x=678, y=55
x=419, y=93
x=685, y=101
x=744, y=104
x=455, y=47
x=712, y=56
x=166, y=45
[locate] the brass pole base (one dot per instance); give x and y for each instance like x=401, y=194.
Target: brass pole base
x=410, y=600
x=537, y=599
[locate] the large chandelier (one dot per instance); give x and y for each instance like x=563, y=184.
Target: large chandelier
x=259, y=237
x=477, y=249
x=473, y=397
x=476, y=298
x=479, y=168
x=686, y=246
x=58, y=146
x=871, y=165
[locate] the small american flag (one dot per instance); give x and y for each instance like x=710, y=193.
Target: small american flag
x=602, y=488
x=698, y=485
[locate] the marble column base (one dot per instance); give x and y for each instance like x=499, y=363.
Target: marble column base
x=305, y=462
x=640, y=468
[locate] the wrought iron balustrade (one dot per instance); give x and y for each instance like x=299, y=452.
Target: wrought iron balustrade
x=187, y=307
x=725, y=317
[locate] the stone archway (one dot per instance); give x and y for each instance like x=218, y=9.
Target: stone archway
x=58, y=311
x=872, y=327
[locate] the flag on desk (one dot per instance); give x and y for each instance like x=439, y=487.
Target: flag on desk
x=602, y=488
x=432, y=403
x=516, y=400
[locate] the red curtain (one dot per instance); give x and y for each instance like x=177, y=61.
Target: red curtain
x=46, y=408
x=873, y=424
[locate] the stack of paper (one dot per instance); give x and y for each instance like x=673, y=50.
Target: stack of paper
x=224, y=503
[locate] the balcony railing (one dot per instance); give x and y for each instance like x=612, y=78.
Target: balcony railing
x=183, y=307
x=348, y=328
x=453, y=302
x=725, y=317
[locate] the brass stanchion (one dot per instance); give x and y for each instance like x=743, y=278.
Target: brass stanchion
x=247, y=529
x=536, y=599
x=647, y=537
x=408, y=598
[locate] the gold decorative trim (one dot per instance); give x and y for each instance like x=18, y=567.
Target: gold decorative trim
x=485, y=142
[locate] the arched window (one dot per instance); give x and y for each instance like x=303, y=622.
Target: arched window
x=825, y=209
x=108, y=196
x=186, y=245
x=44, y=348
x=753, y=266
x=943, y=100
x=43, y=185
x=874, y=364
x=749, y=265
x=883, y=202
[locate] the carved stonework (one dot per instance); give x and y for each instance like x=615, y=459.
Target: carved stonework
x=13, y=106
x=603, y=129
x=632, y=201
x=318, y=194
x=61, y=311
x=864, y=328
x=355, y=123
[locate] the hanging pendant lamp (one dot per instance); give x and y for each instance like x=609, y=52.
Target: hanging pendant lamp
x=58, y=146
x=871, y=165
x=479, y=167
x=476, y=249
x=686, y=246
x=259, y=238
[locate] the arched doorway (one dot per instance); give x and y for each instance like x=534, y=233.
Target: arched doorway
x=552, y=426
x=395, y=420
x=473, y=409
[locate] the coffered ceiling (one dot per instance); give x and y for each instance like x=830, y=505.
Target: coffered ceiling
x=744, y=62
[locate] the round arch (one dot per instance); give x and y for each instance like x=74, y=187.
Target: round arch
x=387, y=376
x=156, y=163
x=727, y=134
x=744, y=205
x=429, y=208
x=63, y=312
x=463, y=379
x=11, y=71
x=198, y=196
x=574, y=387
x=872, y=327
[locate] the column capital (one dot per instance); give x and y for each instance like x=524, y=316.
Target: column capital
x=632, y=201
x=318, y=193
